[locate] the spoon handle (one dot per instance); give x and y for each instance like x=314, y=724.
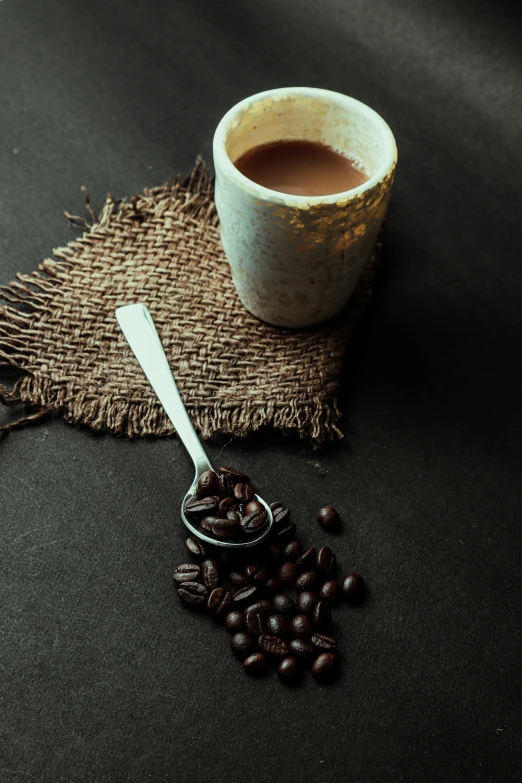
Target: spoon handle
x=138, y=327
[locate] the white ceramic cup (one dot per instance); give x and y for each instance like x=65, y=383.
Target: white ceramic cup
x=296, y=260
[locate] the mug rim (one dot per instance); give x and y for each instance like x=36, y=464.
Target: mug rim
x=222, y=159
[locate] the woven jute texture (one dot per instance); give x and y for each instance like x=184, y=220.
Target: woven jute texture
x=235, y=373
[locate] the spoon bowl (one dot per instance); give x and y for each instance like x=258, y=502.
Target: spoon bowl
x=140, y=332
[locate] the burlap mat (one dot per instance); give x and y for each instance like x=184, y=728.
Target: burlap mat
x=162, y=248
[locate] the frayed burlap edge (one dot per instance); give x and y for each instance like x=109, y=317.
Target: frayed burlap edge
x=315, y=419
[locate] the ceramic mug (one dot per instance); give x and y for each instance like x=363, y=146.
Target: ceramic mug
x=296, y=260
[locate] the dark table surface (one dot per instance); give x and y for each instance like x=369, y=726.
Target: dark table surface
x=104, y=676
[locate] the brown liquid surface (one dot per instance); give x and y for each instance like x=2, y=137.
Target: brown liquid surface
x=301, y=168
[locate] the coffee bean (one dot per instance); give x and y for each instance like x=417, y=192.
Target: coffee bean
x=272, y=645
x=287, y=574
x=235, y=621
x=323, y=642
x=301, y=627
x=325, y=667
x=210, y=573
x=302, y=650
x=283, y=604
x=273, y=551
x=242, y=645
x=256, y=573
x=289, y=670
x=256, y=664
x=307, y=560
x=331, y=592
x=255, y=623
x=326, y=561
x=322, y=616
x=244, y=595
x=279, y=512
x=226, y=485
x=307, y=581
x=272, y=586
x=234, y=516
x=208, y=484
x=202, y=507
x=253, y=522
x=329, y=518
x=292, y=550
x=237, y=579
x=218, y=602
x=186, y=573
x=284, y=531
x=193, y=593
x=354, y=588
x=306, y=602
x=278, y=625
x=208, y=522
x=195, y=547
x=226, y=505
x=254, y=507
x=244, y=492
x=264, y=606
x=237, y=475
x=225, y=528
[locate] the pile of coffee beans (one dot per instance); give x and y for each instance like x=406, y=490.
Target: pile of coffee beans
x=275, y=598
x=225, y=505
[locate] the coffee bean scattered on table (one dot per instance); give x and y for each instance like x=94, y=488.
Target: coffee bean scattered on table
x=248, y=590
x=329, y=518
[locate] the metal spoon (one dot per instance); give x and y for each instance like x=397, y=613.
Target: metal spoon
x=138, y=327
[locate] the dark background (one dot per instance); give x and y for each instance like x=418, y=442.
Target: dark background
x=104, y=676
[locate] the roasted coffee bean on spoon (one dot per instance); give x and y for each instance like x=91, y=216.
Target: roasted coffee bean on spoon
x=226, y=505
x=251, y=523
x=237, y=475
x=226, y=485
x=186, y=573
x=208, y=484
x=254, y=507
x=244, y=492
x=202, y=507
